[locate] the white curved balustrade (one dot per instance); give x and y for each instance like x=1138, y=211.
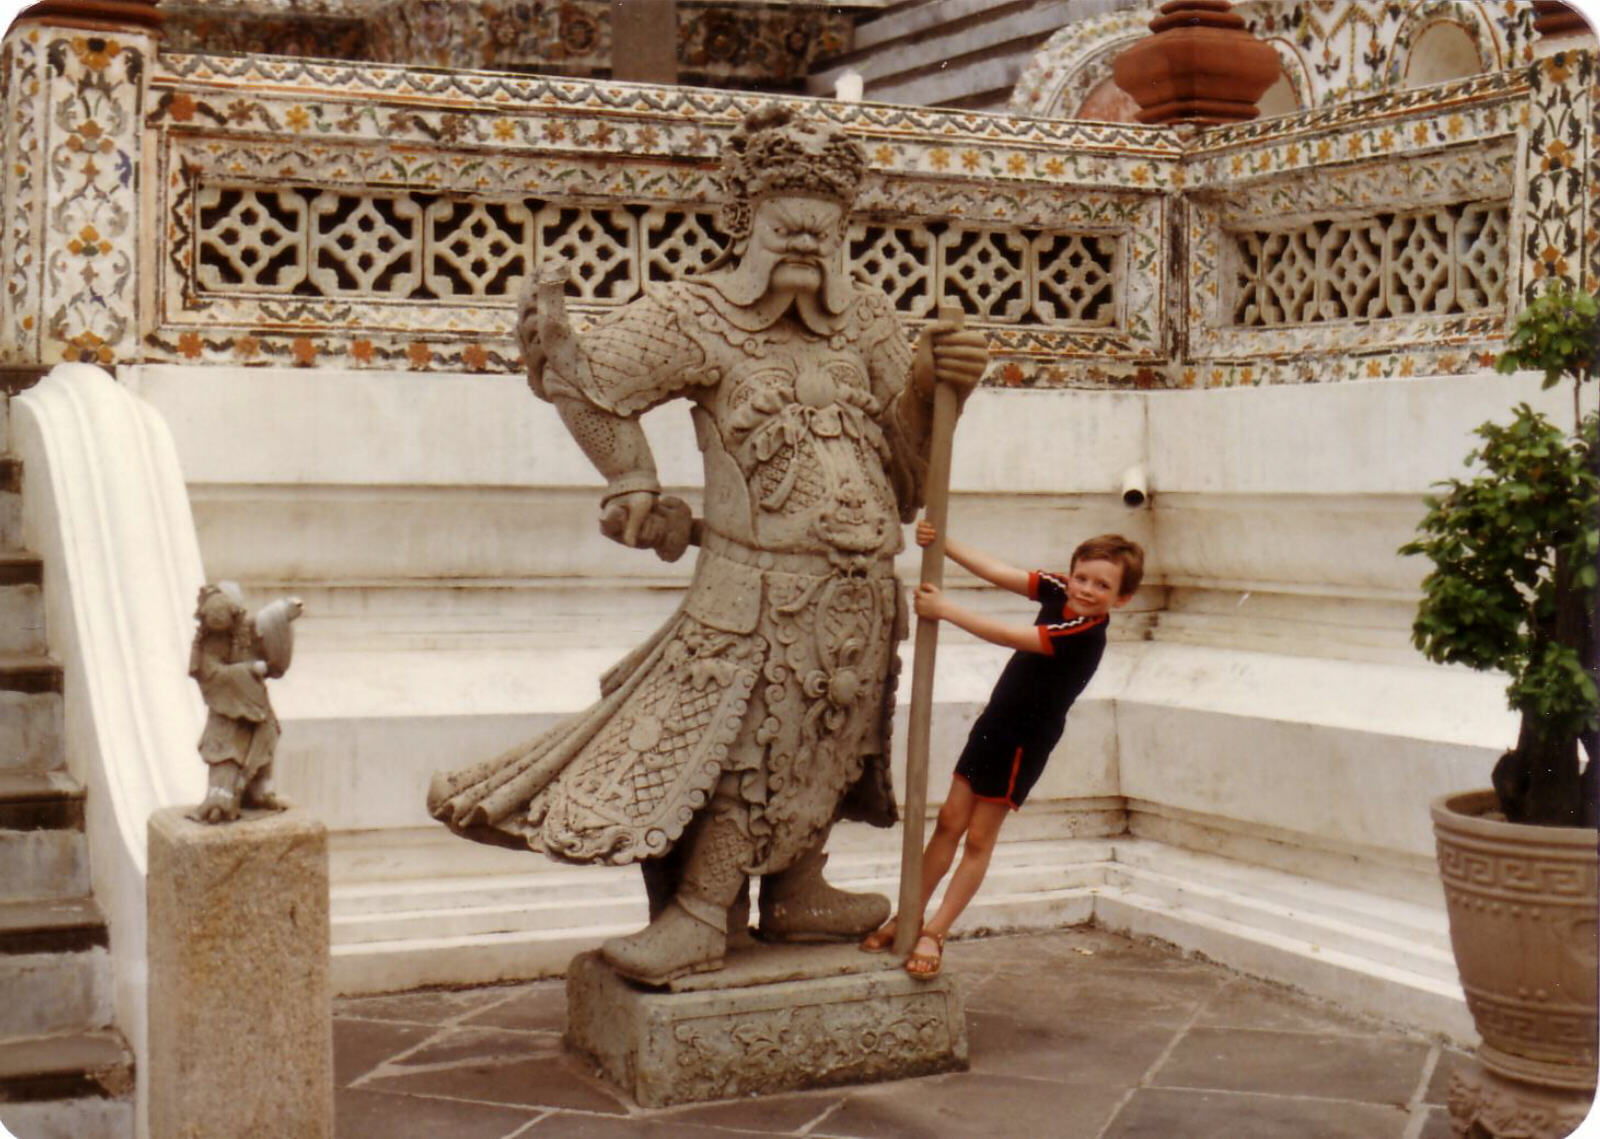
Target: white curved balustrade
x=104, y=504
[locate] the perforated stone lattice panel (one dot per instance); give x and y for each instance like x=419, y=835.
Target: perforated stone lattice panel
x=253, y=239
x=898, y=259
x=1442, y=261
x=427, y=247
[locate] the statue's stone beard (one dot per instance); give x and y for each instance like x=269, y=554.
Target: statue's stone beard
x=748, y=284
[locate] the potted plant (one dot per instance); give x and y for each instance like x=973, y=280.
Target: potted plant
x=1514, y=550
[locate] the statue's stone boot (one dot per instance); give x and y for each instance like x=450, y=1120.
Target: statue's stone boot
x=682, y=940
x=690, y=935
x=797, y=904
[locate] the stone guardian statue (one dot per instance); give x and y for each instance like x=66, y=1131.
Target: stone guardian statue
x=233, y=654
x=727, y=745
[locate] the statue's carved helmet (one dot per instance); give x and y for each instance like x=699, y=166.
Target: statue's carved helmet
x=774, y=150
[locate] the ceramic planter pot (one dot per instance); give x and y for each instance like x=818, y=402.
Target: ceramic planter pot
x=1521, y=901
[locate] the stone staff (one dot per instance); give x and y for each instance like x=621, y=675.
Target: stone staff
x=946, y=407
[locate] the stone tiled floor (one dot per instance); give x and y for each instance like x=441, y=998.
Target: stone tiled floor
x=1074, y=1035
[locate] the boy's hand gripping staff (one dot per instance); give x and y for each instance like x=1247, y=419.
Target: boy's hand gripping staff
x=937, y=498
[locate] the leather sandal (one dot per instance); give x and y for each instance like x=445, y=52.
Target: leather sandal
x=923, y=961
x=880, y=940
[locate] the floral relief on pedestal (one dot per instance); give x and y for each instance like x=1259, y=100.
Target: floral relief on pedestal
x=842, y=1042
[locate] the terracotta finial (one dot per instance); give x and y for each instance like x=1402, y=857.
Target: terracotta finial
x=97, y=13
x=1200, y=65
x=1553, y=18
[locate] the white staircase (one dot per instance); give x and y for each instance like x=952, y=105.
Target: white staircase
x=65, y=1071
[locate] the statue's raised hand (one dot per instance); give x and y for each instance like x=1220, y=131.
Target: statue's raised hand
x=949, y=354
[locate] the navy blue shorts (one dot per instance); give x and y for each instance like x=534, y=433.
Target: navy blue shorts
x=1001, y=766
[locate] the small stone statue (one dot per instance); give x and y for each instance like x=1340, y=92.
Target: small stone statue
x=233, y=654
x=726, y=747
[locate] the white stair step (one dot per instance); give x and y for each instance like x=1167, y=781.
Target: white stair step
x=30, y=730
x=43, y=864
x=52, y=993
x=1015, y=912
x=488, y=907
x=1422, y=923
x=10, y=519
x=390, y=934
x=528, y=916
x=1384, y=943
x=84, y=1117
x=486, y=959
x=21, y=615
x=1020, y=866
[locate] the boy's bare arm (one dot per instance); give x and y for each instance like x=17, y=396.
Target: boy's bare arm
x=987, y=566
x=932, y=603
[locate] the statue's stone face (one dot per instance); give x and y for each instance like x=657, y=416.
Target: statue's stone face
x=796, y=239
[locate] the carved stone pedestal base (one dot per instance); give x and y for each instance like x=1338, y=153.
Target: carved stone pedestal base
x=1484, y=1105
x=776, y=1019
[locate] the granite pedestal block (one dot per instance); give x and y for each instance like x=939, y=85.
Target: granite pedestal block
x=775, y=1019
x=241, y=1024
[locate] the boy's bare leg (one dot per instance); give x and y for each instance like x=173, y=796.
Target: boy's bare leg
x=982, y=833
x=954, y=816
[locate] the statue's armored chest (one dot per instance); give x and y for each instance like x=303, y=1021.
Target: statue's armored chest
x=772, y=387
x=798, y=419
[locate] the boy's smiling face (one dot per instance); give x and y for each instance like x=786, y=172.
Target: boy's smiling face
x=1094, y=587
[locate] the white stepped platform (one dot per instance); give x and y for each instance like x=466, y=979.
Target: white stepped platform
x=488, y=915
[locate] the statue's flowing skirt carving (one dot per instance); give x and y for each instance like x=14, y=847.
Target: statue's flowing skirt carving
x=782, y=678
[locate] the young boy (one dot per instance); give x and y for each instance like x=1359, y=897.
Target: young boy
x=1013, y=737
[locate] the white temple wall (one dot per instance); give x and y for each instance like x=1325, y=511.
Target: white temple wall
x=1260, y=698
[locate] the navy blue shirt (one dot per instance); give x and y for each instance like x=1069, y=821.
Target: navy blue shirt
x=1036, y=689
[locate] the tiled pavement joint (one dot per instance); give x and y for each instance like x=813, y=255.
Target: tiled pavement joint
x=1417, y=1105
x=1150, y=1072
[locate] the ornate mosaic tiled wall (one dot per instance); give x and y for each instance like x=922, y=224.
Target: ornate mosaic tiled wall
x=283, y=212
x=367, y=215
x=70, y=195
